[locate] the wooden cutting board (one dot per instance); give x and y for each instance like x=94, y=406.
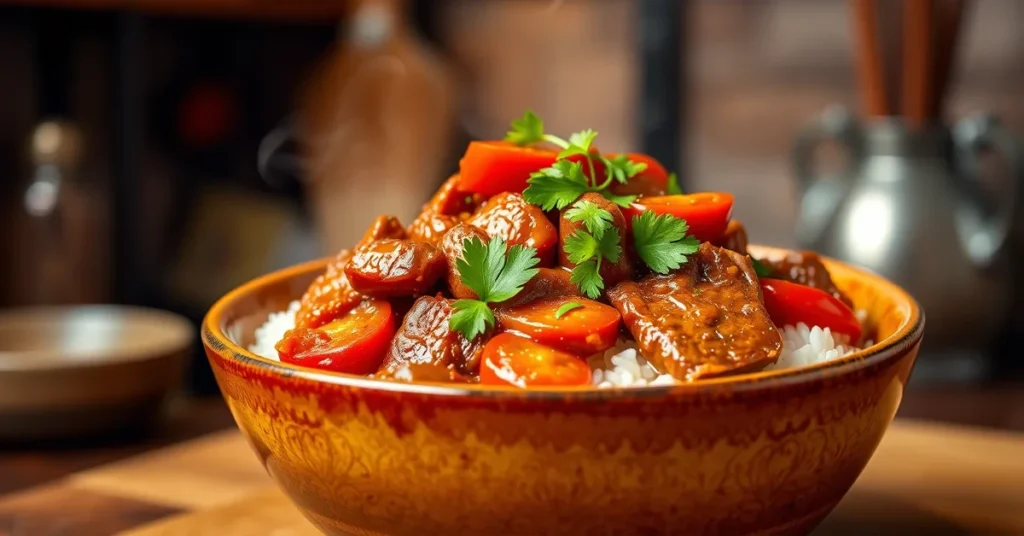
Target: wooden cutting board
x=924, y=479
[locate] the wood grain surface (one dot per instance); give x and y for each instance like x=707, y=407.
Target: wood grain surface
x=924, y=479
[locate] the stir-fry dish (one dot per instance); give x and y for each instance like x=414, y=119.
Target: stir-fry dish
x=548, y=262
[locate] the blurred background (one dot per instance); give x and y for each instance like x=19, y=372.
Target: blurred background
x=160, y=152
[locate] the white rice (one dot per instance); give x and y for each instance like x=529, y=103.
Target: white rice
x=622, y=365
x=273, y=330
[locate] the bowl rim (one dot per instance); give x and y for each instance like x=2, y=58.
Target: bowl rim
x=909, y=333
x=178, y=335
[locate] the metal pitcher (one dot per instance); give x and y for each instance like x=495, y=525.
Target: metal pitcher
x=910, y=207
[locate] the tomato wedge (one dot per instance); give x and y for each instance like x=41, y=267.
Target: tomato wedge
x=790, y=303
x=585, y=330
x=706, y=213
x=512, y=360
x=493, y=167
x=355, y=343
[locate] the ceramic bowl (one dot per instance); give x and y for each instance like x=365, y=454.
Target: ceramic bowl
x=88, y=370
x=766, y=453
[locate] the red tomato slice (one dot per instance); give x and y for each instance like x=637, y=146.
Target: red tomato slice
x=493, y=167
x=512, y=360
x=585, y=330
x=355, y=343
x=707, y=213
x=790, y=303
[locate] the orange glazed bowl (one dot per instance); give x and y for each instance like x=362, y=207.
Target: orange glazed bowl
x=765, y=453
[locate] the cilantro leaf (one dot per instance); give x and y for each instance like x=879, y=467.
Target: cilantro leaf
x=608, y=245
x=586, y=278
x=565, y=308
x=520, y=265
x=621, y=200
x=526, y=130
x=673, y=185
x=557, y=186
x=761, y=269
x=662, y=242
x=473, y=266
x=581, y=246
x=621, y=168
x=594, y=218
x=579, y=143
x=471, y=318
x=496, y=273
x=587, y=253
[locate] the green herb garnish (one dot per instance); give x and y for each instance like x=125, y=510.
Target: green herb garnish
x=566, y=308
x=673, y=187
x=556, y=187
x=496, y=273
x=621, y=168
x=594, y=218
x=760, y=268
x=589, y=248
x=559, y=185
x=662, y=242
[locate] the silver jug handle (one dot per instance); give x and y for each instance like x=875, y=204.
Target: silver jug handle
x=985, y=233
x=835, y=124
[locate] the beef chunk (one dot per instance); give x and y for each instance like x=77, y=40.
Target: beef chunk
x=548, y=283
x=734, y=238
x=450, y=201
x=329, y=296
x=430, y=227
x=706, y=320
x=611, y=273
x=391, y=267
x=426, y=349
x=806, y=268
x=451, y=245
x=509, y=217
x=383, y=227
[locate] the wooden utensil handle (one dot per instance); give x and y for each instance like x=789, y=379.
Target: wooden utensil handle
x=869, y=58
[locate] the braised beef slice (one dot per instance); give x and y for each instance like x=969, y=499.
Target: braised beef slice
x=430, y=226
x=392, y=267
x=734, y=238
x=450, y=201
x=451, y=245
x=329, y=296
x=548, y=283
x=705, y=320
x=611, y=273
x=806, y=268
x=426, y=349
x=383, y=227
x=509, y=217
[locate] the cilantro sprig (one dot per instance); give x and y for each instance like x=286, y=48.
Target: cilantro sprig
x=496, y=273
x=594, y=218
x=557, y=186
x=590, y=246
x=661, y=241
